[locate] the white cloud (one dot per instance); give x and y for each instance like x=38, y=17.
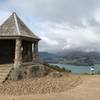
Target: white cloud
x=68, y=38
x=49, y=41
x=62, y=24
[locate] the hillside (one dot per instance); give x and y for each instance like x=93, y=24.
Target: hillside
x=71, y=57
x=48, y=57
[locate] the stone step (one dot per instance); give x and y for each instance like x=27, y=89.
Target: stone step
x=1, y=78
x=6, y=65
x=3, y=74
x=4, y=71
x=7, y=68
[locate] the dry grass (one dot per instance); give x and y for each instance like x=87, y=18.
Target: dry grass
x=40, y=85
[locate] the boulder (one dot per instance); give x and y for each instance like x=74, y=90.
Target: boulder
x=36, y=71
x=28, y=72
x=55, y=74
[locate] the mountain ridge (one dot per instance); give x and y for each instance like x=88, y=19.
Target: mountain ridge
x=70, y=57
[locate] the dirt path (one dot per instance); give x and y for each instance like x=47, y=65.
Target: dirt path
x=88, y=90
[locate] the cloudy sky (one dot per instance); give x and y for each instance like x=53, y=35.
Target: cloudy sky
x=61, y=24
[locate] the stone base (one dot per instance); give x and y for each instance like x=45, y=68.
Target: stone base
x=28, y=72
x=55, y=74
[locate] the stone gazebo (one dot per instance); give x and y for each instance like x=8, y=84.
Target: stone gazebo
x=18, y=45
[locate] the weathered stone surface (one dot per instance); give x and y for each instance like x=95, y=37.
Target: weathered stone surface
x=55, y=74
x=4, y=72
x=33, y=71
x=36, y=71
x=28, y=72
x=18, y=54
x=17, y=74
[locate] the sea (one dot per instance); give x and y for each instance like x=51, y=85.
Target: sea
x=79, y=69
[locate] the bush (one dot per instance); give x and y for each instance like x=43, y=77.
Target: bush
x=57, y=68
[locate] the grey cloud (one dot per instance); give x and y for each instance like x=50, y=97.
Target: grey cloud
x=70, y=11
x=61, y=22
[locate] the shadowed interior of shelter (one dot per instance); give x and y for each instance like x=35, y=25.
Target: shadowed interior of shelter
x=26, y=51
x=7, y=51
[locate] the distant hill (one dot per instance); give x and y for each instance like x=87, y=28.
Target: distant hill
x=82, y=57
x=71, y=57
x=48, y=57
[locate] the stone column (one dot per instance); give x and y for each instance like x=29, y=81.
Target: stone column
x=35, y=54
x=18, y=53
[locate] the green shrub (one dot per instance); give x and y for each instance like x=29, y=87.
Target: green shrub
x=55, y=67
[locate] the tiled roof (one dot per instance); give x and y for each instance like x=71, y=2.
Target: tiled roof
x=14, y=26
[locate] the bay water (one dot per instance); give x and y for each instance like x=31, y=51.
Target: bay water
x=78, y=69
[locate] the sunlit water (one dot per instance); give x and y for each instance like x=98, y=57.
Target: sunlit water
x=79, y=69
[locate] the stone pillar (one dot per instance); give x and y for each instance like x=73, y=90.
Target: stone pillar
x=18, y=53
x=35, y=54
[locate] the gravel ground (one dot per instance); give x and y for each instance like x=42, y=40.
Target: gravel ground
x=40, y=85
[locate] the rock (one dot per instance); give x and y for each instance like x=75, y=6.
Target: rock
x=33, y=71
x=17, y=74
x=55, y=74
x=36, y=71
x=28, y=72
